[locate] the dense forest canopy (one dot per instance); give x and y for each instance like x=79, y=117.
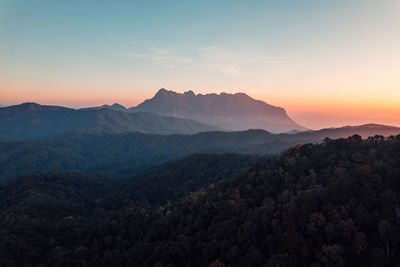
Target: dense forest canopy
x=330, y=204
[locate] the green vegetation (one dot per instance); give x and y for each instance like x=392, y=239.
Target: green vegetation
x=173, y=180
x=331, y=204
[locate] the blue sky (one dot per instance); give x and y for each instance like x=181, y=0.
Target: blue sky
x=300, y=55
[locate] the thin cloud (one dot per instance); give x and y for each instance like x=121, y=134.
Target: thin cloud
x=164, y=57
x=209, y=59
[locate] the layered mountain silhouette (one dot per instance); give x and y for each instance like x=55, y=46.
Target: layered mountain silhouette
x=31, y=120
x=129, y=153
x=232, y=112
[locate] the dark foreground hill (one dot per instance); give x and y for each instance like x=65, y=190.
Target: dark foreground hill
x=32, y=121
x=37, y=204
x=332, y=204
x=126, y=154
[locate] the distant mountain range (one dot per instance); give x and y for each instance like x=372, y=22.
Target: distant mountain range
x=232, y=112
x=168, y=113
x=364, y=131
x=31, y=120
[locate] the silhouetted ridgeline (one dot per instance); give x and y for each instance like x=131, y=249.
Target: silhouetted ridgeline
x=33, y=121
x=330, y=204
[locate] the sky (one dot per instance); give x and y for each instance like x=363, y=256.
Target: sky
x=328, y=63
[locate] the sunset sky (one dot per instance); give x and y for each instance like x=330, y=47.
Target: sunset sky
x=328, y=63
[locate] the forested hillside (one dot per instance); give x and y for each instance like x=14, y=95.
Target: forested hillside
x=129, y=153
x=124, y=154
x=175, y=179
x=330, y=204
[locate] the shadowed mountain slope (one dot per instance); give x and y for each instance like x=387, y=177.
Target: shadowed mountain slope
x=30, y=120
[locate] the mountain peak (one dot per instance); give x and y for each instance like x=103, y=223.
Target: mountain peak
x=164, y=92
x=30, y=104
x=118, y=106
x=27, y=106
x=190, y=93
x=114, y=106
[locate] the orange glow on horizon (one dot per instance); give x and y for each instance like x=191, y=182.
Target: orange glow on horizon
x=312, y=111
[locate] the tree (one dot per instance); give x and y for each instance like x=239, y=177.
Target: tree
x=385, y=230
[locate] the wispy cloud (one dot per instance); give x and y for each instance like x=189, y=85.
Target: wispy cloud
x=165, y=57
x=215, y=59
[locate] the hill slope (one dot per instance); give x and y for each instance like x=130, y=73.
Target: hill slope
x=317, y=205
x=129, y=153
x=233, y=112
x=175, y=179
x=30, y=120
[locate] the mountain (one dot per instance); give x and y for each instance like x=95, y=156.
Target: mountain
x=31, y=120
x=365, y=131
x=129, y=153
x=329, y=204
x=232, y=112
x=114, y=106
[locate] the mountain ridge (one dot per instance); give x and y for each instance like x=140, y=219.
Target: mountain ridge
x=129, y=152
x=32, y=120
x=115, y=106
